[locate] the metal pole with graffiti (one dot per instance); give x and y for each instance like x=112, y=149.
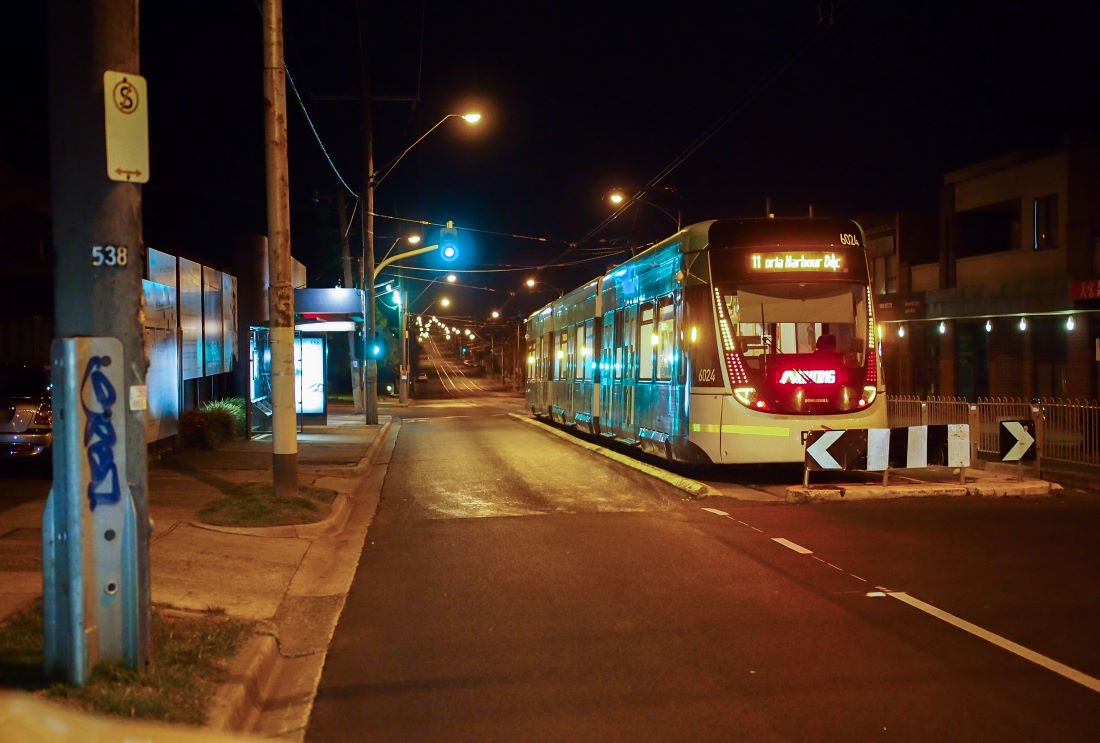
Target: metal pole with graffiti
x=95, y=527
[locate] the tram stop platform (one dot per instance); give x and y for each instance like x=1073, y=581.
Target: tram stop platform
x=990, y=482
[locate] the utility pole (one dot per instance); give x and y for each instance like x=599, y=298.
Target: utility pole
x=370, y=391
x=403, y=372
x=349, y=282
x=284, y=431
x=95, y=526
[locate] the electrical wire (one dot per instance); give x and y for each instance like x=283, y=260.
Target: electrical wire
x=740, y=105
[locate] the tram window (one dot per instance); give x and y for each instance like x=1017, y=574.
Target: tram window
x=629, y=339
x=666, y=340
x=617, y=364
x=547, y=347
x=799, y=319
x=588, y=358
x=647, y=340
x=563, y=354
x=580, y=358
x=607, y=345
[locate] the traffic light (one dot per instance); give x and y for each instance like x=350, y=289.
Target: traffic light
x=376, y=348
x=448, y=241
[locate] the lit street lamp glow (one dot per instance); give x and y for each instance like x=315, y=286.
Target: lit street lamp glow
x=445, y=302
x=452, y=278
x=497, y=314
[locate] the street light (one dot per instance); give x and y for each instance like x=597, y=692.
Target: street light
x=471, y=118
x=618, y=198
x=532, y=283
x=373, y=180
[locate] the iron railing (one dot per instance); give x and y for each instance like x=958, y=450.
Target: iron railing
x=1070, y=428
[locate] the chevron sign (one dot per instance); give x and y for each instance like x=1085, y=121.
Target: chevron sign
x=877, y=449
x=1017, y=441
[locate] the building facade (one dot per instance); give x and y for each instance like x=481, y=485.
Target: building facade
x=1009, y=305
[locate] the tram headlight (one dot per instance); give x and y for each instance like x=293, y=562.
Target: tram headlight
x=749, y=397
x=869, y=394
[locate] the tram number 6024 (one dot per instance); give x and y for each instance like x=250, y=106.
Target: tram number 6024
x=708, y=375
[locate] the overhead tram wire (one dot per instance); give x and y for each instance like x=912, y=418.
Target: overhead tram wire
x=746, y=98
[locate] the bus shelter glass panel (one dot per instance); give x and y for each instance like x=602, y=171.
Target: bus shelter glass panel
x=310, y=390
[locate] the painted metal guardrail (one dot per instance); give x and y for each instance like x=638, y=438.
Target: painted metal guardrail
x=1069, y=430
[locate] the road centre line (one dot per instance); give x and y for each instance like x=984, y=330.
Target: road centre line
x=792, y=546
x=1089, y=682
x=1068, y=672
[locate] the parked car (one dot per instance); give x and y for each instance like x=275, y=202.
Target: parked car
x=26, y=413
x=422, y=377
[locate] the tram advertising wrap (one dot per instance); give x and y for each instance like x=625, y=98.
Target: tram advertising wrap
x=724, y=343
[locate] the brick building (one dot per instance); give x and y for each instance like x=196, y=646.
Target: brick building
x=1009, y=302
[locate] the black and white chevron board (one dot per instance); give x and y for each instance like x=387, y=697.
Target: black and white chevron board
x=878, y=449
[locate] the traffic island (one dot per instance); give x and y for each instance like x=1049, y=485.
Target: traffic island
x=982, y=486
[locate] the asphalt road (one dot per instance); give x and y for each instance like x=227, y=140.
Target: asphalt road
x=516, y=587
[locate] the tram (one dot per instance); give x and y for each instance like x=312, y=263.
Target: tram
x=724, y=343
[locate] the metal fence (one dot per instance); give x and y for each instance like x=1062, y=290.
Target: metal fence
x=908, y=410
x=1070, y=430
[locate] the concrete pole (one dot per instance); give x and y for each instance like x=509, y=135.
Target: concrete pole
x=98, y=298
x=370, y=391
x=349, y=282
x=284, y=429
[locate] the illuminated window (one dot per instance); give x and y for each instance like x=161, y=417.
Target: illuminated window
x=645, y=345
x=666, y=339
x=1044, y=223
x=581, y=354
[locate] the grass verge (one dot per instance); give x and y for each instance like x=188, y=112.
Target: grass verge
x=190, y=656
x=255, y=504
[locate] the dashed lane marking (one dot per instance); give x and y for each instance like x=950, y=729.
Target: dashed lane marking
x=1079, y=677
x=792, y=546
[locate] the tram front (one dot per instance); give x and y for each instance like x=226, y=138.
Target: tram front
x=795, y=324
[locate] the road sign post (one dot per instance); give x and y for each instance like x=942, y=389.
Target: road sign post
x=91, y=590
x=95, y=541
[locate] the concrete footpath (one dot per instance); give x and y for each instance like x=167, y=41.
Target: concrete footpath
x=291, y=581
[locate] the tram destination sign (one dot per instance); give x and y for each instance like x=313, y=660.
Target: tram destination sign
x=813, y=263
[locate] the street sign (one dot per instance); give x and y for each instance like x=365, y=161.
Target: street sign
x=1017, y=441
x=126, y=115
x=878, y=449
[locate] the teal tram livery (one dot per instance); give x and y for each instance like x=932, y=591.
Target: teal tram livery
x=724, y=343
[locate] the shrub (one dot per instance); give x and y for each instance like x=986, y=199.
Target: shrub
x=230, y=412
x=215, y=422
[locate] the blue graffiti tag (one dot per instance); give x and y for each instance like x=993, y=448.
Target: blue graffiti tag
x=97, y=396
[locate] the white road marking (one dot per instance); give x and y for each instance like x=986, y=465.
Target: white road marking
x=792, y=546
x=761, y=531
x=857, y=577
x=1089, y=682
x=716, y=512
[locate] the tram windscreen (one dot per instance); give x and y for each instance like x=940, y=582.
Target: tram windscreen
x=782, y=319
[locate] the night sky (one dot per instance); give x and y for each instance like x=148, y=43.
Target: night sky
x=857, y=116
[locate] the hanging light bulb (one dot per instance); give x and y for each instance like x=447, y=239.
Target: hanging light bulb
x=943, y=328
x=1070, y=323
x=1023, y=323
x=901, y=331
x=988, y=326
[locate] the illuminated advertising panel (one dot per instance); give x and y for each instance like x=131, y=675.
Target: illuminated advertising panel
x=190, y=290
x=310, y=374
